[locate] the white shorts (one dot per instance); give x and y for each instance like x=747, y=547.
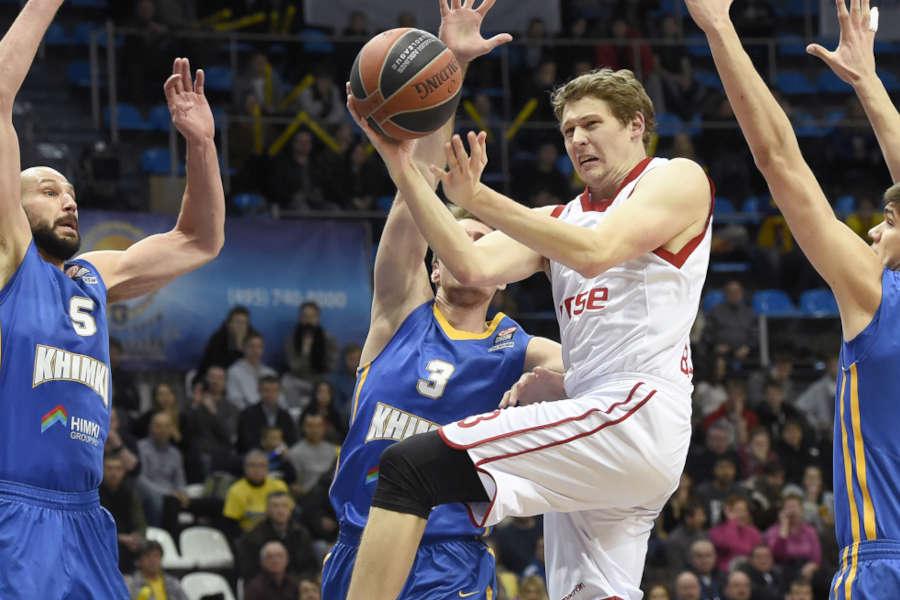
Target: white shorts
x=600, y=467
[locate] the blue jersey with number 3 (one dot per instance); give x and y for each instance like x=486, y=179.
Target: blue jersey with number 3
x=428, y=375
x=54, y=375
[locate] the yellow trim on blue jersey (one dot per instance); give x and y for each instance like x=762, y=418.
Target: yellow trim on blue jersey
x=848, y=468
x=843, y=570
x=456, y=334
x=848, y=585
x=362, y=381
x=489, y=593
x=868, y=507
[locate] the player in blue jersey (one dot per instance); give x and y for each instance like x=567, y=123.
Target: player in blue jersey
x=55, y=539
x=429, y=359
x=865, y=281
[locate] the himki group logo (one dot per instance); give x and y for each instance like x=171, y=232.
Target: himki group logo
x=56, y=415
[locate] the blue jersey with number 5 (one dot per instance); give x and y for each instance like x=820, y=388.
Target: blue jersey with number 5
x=428, y=375
x=54, y=375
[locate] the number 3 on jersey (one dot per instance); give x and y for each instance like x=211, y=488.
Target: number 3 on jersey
x=439, y=372
x=82, y=321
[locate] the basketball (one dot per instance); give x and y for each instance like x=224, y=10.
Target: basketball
x=406, y=83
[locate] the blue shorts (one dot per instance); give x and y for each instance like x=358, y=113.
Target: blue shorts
x=443, y=570
x=57, y=545
x=871, y=570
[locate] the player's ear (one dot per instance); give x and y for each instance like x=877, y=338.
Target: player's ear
x=435, y=272
x=638, y=125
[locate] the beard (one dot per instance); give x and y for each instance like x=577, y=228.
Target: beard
x=467, y=296
x=53, y=245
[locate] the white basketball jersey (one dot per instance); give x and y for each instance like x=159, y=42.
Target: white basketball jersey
x=635, y=318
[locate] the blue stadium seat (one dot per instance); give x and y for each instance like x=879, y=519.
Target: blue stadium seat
x=708, y=79
x=755, y=204
x=79, y=73
x=159, y=118
x=890, y=81
x=384, y=203
x=219, y=79
x=129, y=118
x=712, y=298
x=249, y=203
x=564, y=165
x=81, y=35
x=830, y=83
x=774, y=303
x=89, y=3
x=844, y=205
x=220, y=117
x=886, y=47
x=818, y=303
x=723, y=206
x=805, y=125
x=668, y=124
x=724, y=266
x=316, y=41
x=156, y=161
x=697, y=46
x=791, y=44
x=56, y=36
x=794, y=83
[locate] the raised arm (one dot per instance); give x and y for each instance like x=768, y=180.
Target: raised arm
x=199, y=233
x=854, y=62
x=17, y=50
x=845, y=262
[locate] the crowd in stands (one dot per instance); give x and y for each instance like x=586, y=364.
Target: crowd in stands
x=249, y=448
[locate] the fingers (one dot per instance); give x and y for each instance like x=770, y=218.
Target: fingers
x=199, y=81
x=499, y=40
x=455, y=4
x=179, y=82
x=854, y=10
x=444, y=9
x=504, y=402
x=459, y=154
x=170, y=87
x=843, y=15
x=485, y=7
x=186, y=74
x=818, y=51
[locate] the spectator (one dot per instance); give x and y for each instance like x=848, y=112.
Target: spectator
x=681, y=94
x=309, y=348
x=818, y=503
x=723, y=150
x=734, y=412
x=774, y=412
x=532, y=588
x=323, y=403
x=281, y=526
x=317, y=513
x=537, y=566
x=731, y=326
x=163, y=400
x=295, y=178
x=764, y=575
x=261, y=80
x=119, y=498
x=273, y=582
x=780, y=373
x=208, y=427
x=793, y=542
x=355, y=179
x=630, y=51
x=679, y=541
x=537, y=86
x=756, y=453
x=541, y=183
x=531, y=53
x=312, y=456
x=280, y=466
x=719, y=440
x=310, y=588
x=516, y=541
x=122, y=444
x=658, y=591
x=679, y=504
x=244, y=374
x=124, y=385
x=703, y=565
x=817, y=401
x=216, y=379
x=723, y=485
x=568, y=54
x=343, y=381
x=150, y=581
x=149, y=51
x=865, y=217
x=738, y=586
x=736, y=537
x=245, y=503
x=687, y=586
x=765, y=493
x=323, y=101
x=795, y=453
x=710, y=395
x=800, y=589
x=265, y=413
x=162, y=469
x=226, y=345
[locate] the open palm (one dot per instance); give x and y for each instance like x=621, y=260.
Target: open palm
x=854, y=58
x=190, y=111
x=461, y=29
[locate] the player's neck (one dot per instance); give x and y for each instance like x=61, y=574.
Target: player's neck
x=464, y=318
x=59, y=264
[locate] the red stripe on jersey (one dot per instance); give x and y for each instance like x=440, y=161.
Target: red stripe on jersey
x=679, y=258
x=558, y=211
x=588, y=204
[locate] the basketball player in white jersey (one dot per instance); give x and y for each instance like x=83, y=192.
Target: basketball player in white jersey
x=627, y=260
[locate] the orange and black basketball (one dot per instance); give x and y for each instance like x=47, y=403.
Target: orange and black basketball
x=406, y=83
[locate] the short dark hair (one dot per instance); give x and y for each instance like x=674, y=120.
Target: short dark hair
x=277, y=494
x=252, y=335
x=268, y=379
x=892, y=196
x=312, y=304
x=149, y=546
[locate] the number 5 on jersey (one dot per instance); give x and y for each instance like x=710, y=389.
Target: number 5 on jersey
x=82, y=321
x=439, y=372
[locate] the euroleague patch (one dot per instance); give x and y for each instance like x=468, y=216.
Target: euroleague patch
x=503, y=339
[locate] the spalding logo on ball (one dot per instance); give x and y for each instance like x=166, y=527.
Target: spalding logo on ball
x=406, y=83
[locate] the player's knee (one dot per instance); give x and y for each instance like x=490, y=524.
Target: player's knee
x=401, y=487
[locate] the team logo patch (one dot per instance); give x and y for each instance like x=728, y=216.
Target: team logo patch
x=77, y=272
x=503, y=339
x=56, y=415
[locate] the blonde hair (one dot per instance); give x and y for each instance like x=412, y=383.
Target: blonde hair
x=892, y=196
x=621, y=91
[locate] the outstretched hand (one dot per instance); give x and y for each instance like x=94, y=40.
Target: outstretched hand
x=392, y=152
x=461, y=181
x=538, y=385
x=709, y=14
x=854, y=58
x=461, y=29
x=190, y=111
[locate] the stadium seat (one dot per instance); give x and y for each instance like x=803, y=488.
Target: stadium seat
x=818, y=303
x=775, y=303
x=708, y=79
x=79, y=73
x=89, y=3
x=889, y=80
x=712, y=298
x=668, y=125
x=697, y=46
x=794, y=83
x=887, y=47
x=156, y=161
x=844, y=205
x=81, y=35
x=384, y=203
x=564, y=165
x=219, y=79
x=159, y=118
x=199, y=585
x=806, y=125
x=755, y=204
x=791, y=44
x=171, y=558
x=249, y=204
x=56, y=36
x=723, y=206
x=206, y=548
x=128, y=116
x=316, y=41
x=830, y=83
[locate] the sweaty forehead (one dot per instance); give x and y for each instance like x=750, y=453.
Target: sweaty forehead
x=36, y=175
x=586, y=105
